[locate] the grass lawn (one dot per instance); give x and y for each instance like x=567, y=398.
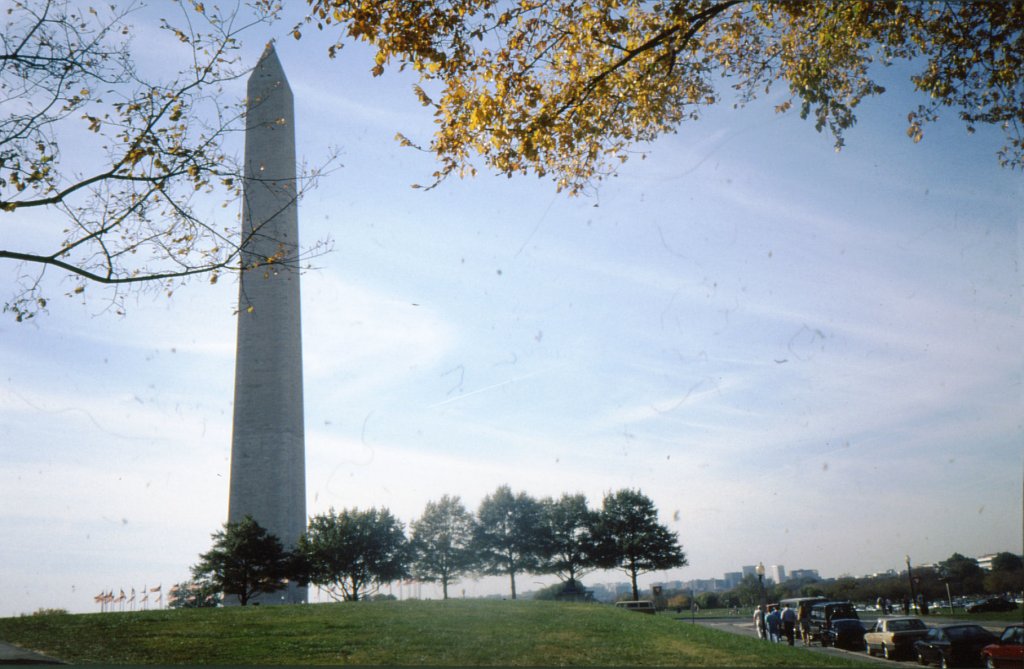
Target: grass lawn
x=473, y=632
x=939, y=616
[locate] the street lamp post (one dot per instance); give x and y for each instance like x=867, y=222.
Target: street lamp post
x=910, y=578
x=760, y=579
x=764, y=598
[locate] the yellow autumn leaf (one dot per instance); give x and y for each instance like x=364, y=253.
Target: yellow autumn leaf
x=568, y=87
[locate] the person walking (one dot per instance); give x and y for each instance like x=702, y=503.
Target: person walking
x=803, y=615
x=759, y=622
x=789, y=624
x=774, y=623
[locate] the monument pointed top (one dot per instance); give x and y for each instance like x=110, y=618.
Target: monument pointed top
x=268, y=59
x=268, y=75
x=268, y=50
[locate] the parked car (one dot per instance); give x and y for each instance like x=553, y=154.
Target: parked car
x=955, y=644
x=844, y=633
x=991, y=604
x=824, y=613
x=1008, y=651
x=894, y=637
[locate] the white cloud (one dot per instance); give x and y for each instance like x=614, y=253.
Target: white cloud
x=362, y=340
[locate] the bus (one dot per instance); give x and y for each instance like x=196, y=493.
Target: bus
x=795, y=602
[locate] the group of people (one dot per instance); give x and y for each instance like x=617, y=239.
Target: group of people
x=885, y=605
x=774, y=625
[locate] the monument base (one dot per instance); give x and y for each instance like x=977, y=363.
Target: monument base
x=292, y=594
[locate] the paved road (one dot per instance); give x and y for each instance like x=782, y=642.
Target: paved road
x=11, y=654
x=746, y=628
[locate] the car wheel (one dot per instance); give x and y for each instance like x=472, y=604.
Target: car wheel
x=867, y=649
x=990, y=663
x=943, y=662
x=885, y=652
x=920, y=659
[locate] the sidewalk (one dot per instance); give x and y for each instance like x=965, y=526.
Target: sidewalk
x=10, y=654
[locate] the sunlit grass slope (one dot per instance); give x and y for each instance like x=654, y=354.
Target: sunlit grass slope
x=523, y=633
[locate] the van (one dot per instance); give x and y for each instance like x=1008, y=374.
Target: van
x=795, y=602
x=823, y=613
x=641, y=606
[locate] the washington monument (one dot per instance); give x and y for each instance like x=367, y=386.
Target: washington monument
x=268, y=471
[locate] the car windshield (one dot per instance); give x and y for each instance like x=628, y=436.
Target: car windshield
x=965, y=633
x=903, y=625
x=1013, y=635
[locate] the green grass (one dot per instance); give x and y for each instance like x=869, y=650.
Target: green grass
x=938, y=616
x=465, y=633
x=738, y=614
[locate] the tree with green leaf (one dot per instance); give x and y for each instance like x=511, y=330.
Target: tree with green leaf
x=962, y=570
x=632, y=539
x=750, y=591
x=510, y=536
x=193, y=595
x=1007, y=561
x=569, y=88
x=441, y=543
x=352, y=553
x=1007, y=574
x=573, y=549
x=245, y=561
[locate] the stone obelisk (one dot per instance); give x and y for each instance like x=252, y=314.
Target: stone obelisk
x=268, y=471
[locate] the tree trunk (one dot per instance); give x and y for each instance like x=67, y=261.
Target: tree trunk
x=632, y=578
x=444, y=587
x=512, y=578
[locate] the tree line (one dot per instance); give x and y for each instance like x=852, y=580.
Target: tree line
x=352, y=553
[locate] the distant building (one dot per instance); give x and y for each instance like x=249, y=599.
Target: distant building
x=707, y=585
x=612, y=592
x=749, y=569
x=733, y=579
x=804, y=575
x=985, y=561
x=603, y=593
x=776, y=573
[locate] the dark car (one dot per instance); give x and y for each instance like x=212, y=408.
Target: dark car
x=824, y=613
x=1008, y=651
x=844, y=633
x=951, y=645
x=991, y=604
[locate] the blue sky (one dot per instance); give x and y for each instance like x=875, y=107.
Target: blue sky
x=804, y=357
